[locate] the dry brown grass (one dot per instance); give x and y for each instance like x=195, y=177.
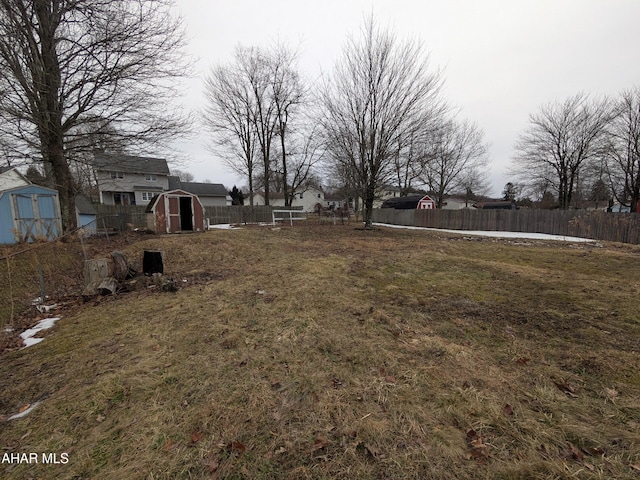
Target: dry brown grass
x=328, y=352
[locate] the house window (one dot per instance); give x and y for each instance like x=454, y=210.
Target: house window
x=147, y=196
x=151, y=178
x=301, y=196
x=115, y=175
x=318, y=195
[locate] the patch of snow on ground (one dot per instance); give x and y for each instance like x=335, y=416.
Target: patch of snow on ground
x=25, y=413
x=27, y=335
x=527, y=235
x=221, y=226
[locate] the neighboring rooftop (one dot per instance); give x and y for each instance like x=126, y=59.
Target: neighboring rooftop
x=130, y=163
x=198, y=188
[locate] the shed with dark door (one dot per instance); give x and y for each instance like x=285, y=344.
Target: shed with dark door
x=175, y=211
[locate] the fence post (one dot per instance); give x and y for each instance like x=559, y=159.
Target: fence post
x=41, y=277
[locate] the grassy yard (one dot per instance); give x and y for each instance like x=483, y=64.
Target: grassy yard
x=330, y=352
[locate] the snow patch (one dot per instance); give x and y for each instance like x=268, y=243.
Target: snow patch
x=25, y=412
x=27, y=335
x=530, y=236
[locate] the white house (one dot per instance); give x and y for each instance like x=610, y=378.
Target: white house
x=457, y=203
x=309, y=199
x=10, y=178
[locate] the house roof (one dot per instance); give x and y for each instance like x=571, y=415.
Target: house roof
x=130, y=163
x=202, y=189
x=8, y=171
x=205, y=189
x=408, y=202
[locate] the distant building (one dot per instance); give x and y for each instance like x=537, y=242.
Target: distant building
x=410, y=202
x=130, y=180
x=210, y=194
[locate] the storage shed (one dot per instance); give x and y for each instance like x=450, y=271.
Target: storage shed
x=29, y=213
x=86, y=216
x=175, y=211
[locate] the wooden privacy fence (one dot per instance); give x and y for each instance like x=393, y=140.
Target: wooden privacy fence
x=125, y=217
x=239, y=214
x=614, y=227
x=120, y=217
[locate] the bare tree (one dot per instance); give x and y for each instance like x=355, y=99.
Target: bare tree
x=623, y=149
x=458, y=153
x=560, y=141
x=249, y=103
x=288, y=95
x=409, y=161
x=229, y=116
x=93, y=63
x=380, y=91
x=183, y=175
x=305, y=153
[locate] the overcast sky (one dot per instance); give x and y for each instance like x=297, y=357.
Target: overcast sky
x=502, y=59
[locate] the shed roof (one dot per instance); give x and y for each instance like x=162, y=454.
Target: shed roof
x=179, y=192
x=130, y=163
x=84, y=206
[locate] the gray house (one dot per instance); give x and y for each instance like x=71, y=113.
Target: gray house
x=210, y=194
x=130, y=180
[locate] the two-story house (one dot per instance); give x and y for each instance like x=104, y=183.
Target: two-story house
x=130, y=180
x=308, y=200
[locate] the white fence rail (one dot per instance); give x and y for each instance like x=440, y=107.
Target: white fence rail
x=287, y=215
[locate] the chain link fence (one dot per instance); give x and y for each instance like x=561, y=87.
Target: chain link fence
x=37, y=276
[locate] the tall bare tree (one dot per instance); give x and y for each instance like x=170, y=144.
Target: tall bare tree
x=288, y=95
x=229, y=116
x=91, y=63
x=380, y=91
x=560, y=141
x=623, y=149
x=457, y=154
x=250, y=103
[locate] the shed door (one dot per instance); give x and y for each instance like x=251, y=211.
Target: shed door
x=36, y=216
x=174, y=214
x=48, y=217
x=25, y=218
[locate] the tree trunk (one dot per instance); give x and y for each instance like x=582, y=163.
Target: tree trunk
x=50, y=125
x=369, y=197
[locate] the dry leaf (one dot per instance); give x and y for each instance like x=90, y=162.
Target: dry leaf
x=507, y=410
x=168, y=446
x=24, y=408
x=572, y=453
x=390, y=379
x=236, y=447
x=196, y=436
x=595, y=451
x=523, y=361
x=636, y=467
x=477, y=448
x=319, y=443
x=566, y=389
